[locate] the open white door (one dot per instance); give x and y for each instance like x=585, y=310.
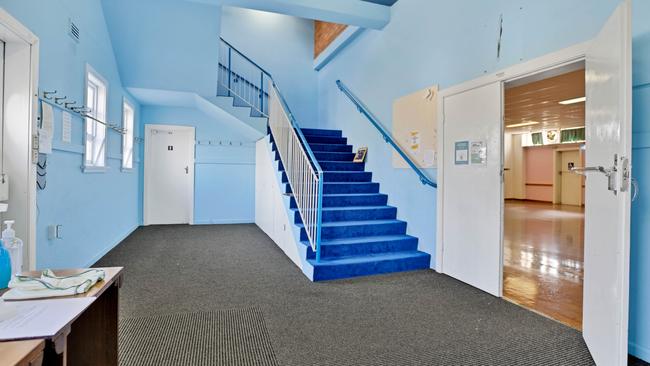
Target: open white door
x=472, y=198
x=607, y=213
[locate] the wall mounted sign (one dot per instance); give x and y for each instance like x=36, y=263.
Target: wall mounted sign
x=551, y=136
x=360, y=155
x=478, y=153
x=461, y=155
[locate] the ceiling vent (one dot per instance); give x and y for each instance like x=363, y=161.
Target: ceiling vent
x=73, y=31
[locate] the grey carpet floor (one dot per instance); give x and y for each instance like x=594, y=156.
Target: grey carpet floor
x=416, y=318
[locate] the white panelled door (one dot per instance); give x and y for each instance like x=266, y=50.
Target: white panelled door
x=169, y=175
x=607, y=210
x=472, y=198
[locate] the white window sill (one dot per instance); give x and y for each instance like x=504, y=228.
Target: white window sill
x=94, y=169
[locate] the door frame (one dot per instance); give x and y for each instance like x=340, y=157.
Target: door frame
x=22, y=81
x=538, y=65
x=147, y=173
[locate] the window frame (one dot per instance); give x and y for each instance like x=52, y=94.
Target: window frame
x=99, y=82
x=127, y=104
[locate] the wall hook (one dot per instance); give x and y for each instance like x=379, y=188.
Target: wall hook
x=68, y=104
x=58, y=100
x=46, y=94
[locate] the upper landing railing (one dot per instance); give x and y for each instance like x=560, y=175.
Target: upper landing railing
x=250, y=85
x=363, y=109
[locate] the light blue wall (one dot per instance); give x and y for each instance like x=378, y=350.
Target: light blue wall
x=165, y=44
x=224, y=181
x=284, y=46
x=446, y=43
x=640, y=235
x=96, y=210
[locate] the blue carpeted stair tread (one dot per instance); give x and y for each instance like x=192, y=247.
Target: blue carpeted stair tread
x=357, y=223
x=376, y=257
x=353, y=208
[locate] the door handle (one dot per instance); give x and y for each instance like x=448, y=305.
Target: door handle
x=590, y=169
x=187, y=170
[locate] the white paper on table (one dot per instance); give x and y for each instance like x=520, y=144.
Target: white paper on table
x=39, y=318
x=66, y=127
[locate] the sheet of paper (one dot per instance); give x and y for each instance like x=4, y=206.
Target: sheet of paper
x=39, y=318
x=66, y=127
x=44, y=141
x=47, y=116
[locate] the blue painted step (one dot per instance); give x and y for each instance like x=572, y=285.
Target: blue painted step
x=341, y=166
x=330, y=147
x=333, y=156
x=345, y=200
x=315, y=139
x=345, y=187
x=347, y=247
x=333, y=177
x=319, y=132
x=331, y=214
x=350, y=229
x=370, y=264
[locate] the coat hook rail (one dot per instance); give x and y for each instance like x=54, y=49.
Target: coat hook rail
x=50, y=98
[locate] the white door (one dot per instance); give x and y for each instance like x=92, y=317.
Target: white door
x=472, y=196
x=607, y=212
x=169, y=175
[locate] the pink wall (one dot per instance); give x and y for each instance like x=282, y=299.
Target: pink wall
x=539, y=170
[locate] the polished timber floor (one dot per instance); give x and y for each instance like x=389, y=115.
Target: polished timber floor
x=410, y=318
x=543, y=259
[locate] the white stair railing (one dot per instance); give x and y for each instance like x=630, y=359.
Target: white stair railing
x=303, y=171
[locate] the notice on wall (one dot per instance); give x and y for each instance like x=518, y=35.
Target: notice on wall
x=478, y=153
x=66, y=127
x=415, y=126
x=461, y=155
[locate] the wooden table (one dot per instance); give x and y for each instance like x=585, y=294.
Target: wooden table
x=90, y=338
x=22, y=353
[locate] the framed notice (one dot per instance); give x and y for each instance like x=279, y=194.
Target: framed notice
x=360, y=156
x=478, y=153
x=461, y=155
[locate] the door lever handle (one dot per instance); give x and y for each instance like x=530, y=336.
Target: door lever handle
x=595, y=169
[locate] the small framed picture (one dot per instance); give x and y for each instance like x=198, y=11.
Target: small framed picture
x=360, y=157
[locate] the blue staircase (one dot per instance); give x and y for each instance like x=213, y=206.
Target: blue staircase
x=360, y=232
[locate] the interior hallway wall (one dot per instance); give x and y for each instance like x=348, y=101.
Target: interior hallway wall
x=284, y=46
x=224, y=176
x=439, y=42
x=539, y=173
x=445, y=42
x=97, y=210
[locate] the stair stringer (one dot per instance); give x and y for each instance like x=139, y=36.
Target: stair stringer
x=272, y=208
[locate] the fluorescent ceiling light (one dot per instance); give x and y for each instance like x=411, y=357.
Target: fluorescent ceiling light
x=523, y=124
x=573, y=101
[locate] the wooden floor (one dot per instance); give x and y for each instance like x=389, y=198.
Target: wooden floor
x=543, y=259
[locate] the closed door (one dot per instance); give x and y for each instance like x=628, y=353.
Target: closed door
x=169, y=175
x=472, y=196
x=571, y=190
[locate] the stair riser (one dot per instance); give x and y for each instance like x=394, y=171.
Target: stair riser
x=353, y=231
x=318, y=132
x=355, y=270
x=326, y=156
x=343, y=188
x=331, y=148
x=359, y=249
x=346, y=201
x=311, y=139
x=388, y=213
x=347, y=177
x=351, y=188
x=329, y=166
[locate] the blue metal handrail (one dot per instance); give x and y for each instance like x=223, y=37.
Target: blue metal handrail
x=363, y=109
x=296, y=127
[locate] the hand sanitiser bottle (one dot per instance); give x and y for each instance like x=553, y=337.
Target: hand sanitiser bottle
x=14, y=246
x=5, y=267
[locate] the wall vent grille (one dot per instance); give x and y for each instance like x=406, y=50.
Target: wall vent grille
x=74, y=31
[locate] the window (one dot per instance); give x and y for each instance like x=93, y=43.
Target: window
x=128, y=115
x=96, y=95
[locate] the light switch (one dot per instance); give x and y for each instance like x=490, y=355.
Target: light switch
x=55, y=232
